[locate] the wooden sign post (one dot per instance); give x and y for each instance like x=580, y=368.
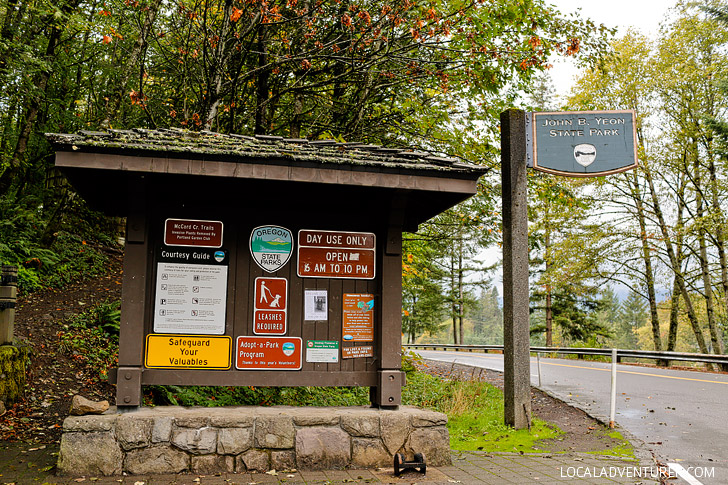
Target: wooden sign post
x=516, y=337
x=573, y=144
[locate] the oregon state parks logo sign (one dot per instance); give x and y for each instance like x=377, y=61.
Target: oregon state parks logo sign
x=271, y=247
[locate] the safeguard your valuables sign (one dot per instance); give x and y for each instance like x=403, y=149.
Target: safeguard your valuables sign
x=584, y=143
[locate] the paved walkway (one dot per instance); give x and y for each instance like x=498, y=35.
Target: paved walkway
x=33, y=464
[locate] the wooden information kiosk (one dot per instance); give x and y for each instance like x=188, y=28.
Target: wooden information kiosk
x=260, y=261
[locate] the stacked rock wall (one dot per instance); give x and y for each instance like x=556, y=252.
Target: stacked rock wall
x=239, y=439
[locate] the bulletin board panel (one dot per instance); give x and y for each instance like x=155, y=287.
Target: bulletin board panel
x=356, y=360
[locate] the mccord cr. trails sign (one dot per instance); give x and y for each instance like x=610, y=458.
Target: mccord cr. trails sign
x=584, y=143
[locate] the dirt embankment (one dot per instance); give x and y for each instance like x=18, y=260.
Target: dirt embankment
x=54, y=376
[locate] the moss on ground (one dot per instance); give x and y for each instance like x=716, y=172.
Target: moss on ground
x=13, y=360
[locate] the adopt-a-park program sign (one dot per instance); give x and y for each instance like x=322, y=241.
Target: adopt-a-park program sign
x=583, y=143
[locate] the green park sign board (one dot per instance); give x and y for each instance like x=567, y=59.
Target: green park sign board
x=584, y=143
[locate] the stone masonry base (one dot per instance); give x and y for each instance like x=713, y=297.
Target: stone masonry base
x=238, y=439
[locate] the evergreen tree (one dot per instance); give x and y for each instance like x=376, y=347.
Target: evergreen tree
x=632, y=315
x=487, y=317
x=423, y=302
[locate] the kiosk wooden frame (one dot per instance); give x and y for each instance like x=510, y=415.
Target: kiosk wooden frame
x=150, y=176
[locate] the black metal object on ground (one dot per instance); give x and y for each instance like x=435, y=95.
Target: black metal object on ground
x=400, y=465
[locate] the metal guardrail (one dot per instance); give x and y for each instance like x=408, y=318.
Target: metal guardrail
x=621, y=353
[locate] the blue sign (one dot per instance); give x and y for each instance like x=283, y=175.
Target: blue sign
x=584, y=143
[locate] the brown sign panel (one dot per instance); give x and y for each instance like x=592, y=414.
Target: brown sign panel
x=356, y=352
x=270, y=310
x=268, y=353
x=191, y=232
x=358, y=317
x=333, y=254
x=336, y=239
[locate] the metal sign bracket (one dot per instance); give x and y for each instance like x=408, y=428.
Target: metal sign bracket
x=529, y=140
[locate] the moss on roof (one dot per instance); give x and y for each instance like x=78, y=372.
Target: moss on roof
x=176, y=143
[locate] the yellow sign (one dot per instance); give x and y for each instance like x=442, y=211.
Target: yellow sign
x=187, y=352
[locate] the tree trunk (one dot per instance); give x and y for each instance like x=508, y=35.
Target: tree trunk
x=674, y=314
x=295, y=130
x=454, y=307
x=133, y=65
x=547, y=261
x=720, y=236
x=261, y=111
x=675, y=300
x=461, y=303
x=715, y=337
x=675, y=266
x=647, y=259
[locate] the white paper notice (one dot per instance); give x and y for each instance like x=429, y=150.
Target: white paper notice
x=190, y=298
x=316, y=305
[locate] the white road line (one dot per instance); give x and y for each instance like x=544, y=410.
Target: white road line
x=683, y=473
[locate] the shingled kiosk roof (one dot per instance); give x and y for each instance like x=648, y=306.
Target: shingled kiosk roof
x=101, y=165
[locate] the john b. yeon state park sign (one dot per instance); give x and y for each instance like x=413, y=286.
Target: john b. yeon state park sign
x=583, y=143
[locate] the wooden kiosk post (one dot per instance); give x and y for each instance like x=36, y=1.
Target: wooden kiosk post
x=260, y=261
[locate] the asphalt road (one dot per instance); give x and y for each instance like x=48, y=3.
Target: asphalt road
x=682, y=416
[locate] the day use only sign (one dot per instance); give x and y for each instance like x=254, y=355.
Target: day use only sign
x=333, y=254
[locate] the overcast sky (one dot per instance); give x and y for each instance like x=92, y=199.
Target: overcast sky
x=643, y=15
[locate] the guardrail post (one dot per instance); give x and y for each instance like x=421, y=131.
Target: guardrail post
x=613, y=397
x=538, y=364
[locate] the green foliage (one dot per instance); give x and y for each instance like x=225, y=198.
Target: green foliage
x=575, y=313
x=92, y=338
x=475, y=414
x=423, y=302
x=46, y=259
x=632, y=314
x=255, y=396
x=487, y=318
x=664, y=224
x=410, y=362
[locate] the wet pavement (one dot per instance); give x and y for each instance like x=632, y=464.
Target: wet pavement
x=35, y=464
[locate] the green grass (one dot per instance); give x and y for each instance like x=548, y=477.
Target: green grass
x=475, y=415
x=623, y=450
